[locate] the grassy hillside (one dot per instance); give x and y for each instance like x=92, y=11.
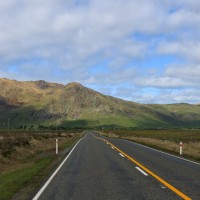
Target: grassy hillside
x=37, y=103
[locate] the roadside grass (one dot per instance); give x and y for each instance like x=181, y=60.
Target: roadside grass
x=26, y=164
x=11, y=182
x=70, y=142
x=165, y=140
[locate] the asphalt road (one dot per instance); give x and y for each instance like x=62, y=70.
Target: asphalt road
x=95, y=170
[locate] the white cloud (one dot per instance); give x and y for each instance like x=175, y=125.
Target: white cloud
x=174, y=76
x=161, y=96
x=65, y=39
x=186, y=49
x=162, y=82
x=31, y=28
x=190, y=72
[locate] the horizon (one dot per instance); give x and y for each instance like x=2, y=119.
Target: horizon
x=150, y=55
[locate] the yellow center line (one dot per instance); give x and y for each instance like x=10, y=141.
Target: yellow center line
x=175, y=190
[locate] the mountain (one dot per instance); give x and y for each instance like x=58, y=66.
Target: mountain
x=35, y=103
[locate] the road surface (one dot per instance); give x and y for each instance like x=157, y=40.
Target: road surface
x=98, y=169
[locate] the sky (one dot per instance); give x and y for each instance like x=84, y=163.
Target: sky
x=146, y=51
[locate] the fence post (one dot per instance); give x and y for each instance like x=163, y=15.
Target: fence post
x=56, y=146
x=181, y=148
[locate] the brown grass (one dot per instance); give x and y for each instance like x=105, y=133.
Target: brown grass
x=31, y=154
x=191, y=147
x=20, y=149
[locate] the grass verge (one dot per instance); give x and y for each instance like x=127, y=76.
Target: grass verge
x=11, y=182
x=21, y=180
x=165, y=140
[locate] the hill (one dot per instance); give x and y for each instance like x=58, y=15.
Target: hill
x=35, y=103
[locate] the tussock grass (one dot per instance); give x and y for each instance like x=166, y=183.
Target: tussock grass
x=26, y=158
x=167, y=140
x=21, y=145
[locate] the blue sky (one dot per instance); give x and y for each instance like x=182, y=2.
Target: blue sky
x=146, y=51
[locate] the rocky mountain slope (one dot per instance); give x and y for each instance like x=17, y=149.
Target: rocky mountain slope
x=38, y=102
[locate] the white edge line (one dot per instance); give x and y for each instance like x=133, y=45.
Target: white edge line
x=144, y=173
x=162, y=152
x=121, y=155
x=53, y=175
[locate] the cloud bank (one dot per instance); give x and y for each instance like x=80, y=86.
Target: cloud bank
x=142, y=50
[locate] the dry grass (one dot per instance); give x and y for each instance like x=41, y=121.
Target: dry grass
x=20, y=149
x=27, y=158
x=191, y=149
x=191, y=146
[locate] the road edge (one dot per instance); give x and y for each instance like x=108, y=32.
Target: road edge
x=158, y=178
x=152, y=148
x=41, y=190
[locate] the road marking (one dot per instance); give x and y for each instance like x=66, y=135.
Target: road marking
x=161, y=152
x=53, y=175
x=107, y=143
x=140, y=170
x=175, y=190
x=163, y=187
x=112, y=147
x=121, y=155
